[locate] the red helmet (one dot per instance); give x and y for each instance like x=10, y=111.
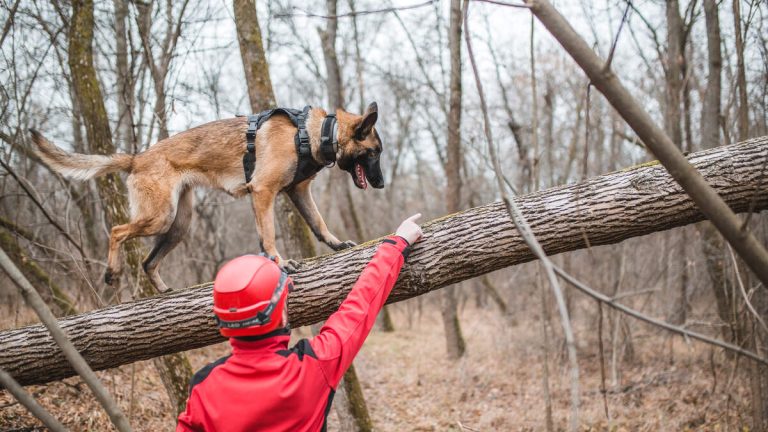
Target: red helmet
x=249, y=296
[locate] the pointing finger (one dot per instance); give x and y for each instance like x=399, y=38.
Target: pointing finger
x=414, y=217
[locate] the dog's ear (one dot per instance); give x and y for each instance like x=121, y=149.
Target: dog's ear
x=372, y=108
x=366, y=124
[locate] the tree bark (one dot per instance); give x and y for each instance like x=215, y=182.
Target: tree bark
x=741, y=76
x=673, y=73
x=454, y=341
x=175, y=370
x=252, y=54
x=672, y=126
x=605, y=210
x=713, y=246
x=125, y=82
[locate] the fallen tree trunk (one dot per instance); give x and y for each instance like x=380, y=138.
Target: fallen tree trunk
x=604, y=210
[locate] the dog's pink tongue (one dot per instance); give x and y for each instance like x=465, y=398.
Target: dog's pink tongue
x=361, y=176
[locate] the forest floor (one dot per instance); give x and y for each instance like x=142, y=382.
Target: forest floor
x=410, y=385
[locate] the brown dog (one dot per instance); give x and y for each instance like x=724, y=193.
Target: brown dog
x=161, y=179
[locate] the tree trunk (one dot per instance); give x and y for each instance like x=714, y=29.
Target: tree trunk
x=758, y=339
x=605, y=210
x=125, y=86
x=252, y=53
x=174, y=369
x=741, y=77
x=673, y=73
x=350, y=402
x=454, y=341
x=713, y=246
x=297, y=236
x=672, y=126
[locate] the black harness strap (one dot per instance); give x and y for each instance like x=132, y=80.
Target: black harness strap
x=329, y=142
x=249, y=158
x=306, y=166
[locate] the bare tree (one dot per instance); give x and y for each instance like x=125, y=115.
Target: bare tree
x=160, y=66
x=174, y=369
x=455, y=344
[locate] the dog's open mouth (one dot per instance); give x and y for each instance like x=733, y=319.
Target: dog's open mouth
x=359, y=177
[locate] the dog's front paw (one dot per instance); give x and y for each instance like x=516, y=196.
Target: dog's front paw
x=290, y=266
x=343, y=245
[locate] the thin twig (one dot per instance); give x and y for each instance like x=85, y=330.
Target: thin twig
x=525, y=231
x=535, y=108
x=545, y=353
x=304, y=13
x=658, y=323
x=585, y=162
x=77, y=361
x=9, y=21
x=29, y=402
x=33, y=196
x=616, y=39
x=633, y=293
x=603, y=390
x=743, y=291
x=503, y=3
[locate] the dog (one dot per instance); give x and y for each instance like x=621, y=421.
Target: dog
x=161, y=179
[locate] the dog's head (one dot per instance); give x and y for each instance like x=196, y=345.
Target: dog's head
x=360, y=147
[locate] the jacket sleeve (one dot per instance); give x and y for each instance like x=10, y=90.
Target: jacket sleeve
x=343, y=334
x=187, y=421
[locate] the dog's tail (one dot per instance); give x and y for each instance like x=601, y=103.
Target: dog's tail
x=75, y=165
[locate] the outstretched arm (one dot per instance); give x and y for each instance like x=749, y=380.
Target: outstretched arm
x=344, y=332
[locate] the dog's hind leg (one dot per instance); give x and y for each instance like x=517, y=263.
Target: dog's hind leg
x=166, y=242
x=152, y=212
x=121, y=233
x=301, y=196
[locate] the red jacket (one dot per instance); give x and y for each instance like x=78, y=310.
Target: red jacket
x=264, y=386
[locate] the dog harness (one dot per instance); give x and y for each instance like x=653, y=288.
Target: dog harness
x=306, y=166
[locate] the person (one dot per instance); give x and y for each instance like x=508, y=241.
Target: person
x=264, y=385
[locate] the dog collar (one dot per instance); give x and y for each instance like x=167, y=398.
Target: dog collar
x=329, y=142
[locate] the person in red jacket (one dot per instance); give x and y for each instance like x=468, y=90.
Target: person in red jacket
x=264, y=385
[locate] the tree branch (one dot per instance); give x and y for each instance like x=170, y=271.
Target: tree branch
x=30, y=403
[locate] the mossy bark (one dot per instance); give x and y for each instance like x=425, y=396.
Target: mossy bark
x=174, y=369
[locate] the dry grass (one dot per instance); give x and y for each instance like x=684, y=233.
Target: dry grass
x=410, y=385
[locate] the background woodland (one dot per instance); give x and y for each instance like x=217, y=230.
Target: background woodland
x=121, y=75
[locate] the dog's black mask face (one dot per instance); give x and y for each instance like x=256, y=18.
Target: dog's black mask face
x=361, y=160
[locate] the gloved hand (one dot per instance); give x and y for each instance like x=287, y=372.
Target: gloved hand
x=410, y=230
